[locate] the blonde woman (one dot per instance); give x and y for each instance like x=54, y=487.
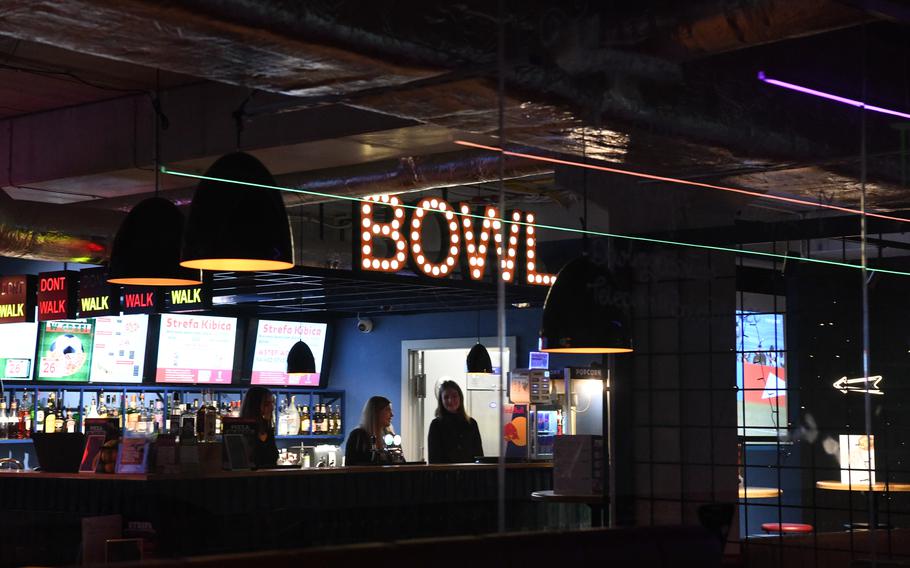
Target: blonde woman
x=366, y=443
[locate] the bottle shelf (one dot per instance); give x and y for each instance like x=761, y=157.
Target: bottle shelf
x=311, y=437
x=15, y=441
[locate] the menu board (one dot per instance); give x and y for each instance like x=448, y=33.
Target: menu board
x=196, y=349
x=273, y=341
x=65, y=350
x=119, y=351
x=17, y=350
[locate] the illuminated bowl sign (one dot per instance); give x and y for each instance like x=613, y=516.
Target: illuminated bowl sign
x=17, y=299
x=97, y=297
x=383, y=219
x=57, y=295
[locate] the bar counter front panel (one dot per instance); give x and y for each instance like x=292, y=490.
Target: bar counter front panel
x=241, y=511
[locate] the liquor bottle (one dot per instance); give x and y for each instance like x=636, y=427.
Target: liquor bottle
x=132, y=415
x=305, y=420
x=205, y=419
x=282, y=429
x=39, y=416
x=325, y=420
x=50, y=415
x=103, y=404
x=3, y=418
x=176, y=412
x=70, y=422
x=338, y=429
x=317, y=419
x=141, y=420
x=25, y=418
x=159, y=416
x=12, y=420
x=59, y=419
x=293, y=418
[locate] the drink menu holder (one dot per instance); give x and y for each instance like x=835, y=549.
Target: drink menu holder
x=97, y=432
x=237, y=436
x=578, y=464
x=133, y=455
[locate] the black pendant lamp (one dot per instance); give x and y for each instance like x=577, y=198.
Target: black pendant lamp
x=580, y=315
x=236, y=226
x=479, y=360
x=301, y=360
x=146, y=250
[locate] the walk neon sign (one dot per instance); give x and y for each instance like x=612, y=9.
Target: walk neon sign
x=460, y=229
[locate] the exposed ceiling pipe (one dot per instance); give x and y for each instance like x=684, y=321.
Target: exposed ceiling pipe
x=400, y=175
x=44, y=231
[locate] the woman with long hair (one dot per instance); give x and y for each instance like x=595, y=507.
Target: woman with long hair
x=366, y=443
x=454, y=436
x=259, y=405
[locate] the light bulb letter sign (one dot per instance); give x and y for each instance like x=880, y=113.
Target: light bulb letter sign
x=478, y=234
x=371, y=231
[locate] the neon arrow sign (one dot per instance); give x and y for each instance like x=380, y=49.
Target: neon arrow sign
x=870, y=384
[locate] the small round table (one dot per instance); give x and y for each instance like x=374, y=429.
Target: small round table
x=878, y=487
x=758, y=492
x=595, y=501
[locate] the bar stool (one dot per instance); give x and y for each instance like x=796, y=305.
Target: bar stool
x=798, y=528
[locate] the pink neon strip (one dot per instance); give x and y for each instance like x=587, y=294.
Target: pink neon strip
x=836, y=98
x=681, y=181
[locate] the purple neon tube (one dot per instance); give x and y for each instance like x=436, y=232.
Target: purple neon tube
x=843, y=100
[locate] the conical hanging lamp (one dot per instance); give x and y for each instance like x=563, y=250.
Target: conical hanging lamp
x=479, y=360
x=579, y=315
x=146, y=250
x=301, y=360
x=234, y=226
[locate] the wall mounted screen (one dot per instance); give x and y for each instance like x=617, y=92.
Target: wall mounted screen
x=270, y=353
x=761, y=374
x=196, y=349
x=17, y=350
x=118, y=355
x=65, y=350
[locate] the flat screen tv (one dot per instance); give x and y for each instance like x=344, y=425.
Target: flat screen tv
x=65, y=350
x=118, y=355
x=272, y=342
x=196, y=349
x=17, y=350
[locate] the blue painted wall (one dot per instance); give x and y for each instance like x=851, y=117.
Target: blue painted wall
x=367, y=364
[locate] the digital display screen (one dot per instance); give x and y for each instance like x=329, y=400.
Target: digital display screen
x=118, y=354
x=17, y=350
x=761, y=374
x=65, y=350
x=270, y=356
x=196, y=349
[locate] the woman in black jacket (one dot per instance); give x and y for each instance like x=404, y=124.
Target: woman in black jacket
x=366, y=443
x=259, y=405
x=454, y=436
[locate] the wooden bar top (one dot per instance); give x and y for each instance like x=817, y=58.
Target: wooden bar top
x=273, y=472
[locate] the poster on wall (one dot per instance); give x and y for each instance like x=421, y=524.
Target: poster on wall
x=65, y=350
x=270, y=356
x=196, y=349
x=761, y=374
x=17, y=350
x=118, y=354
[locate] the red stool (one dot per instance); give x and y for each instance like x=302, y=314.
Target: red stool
x=787, y=528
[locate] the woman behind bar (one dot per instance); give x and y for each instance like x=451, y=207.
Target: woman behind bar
x=366, y=443
x=454, y=436
x=259, y=405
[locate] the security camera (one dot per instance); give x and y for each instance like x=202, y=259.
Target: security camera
x=364, y=325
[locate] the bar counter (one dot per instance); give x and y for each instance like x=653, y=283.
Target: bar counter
x=249, y=510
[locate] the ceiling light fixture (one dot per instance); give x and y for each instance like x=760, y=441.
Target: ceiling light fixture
x=830, y=96
x=300, y=358
x=146, y=249
x=589, y=232
x=642, y=175
x=237, y=226
x=582, y=312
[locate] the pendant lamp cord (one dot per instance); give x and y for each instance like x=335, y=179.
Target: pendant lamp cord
x=161, y=123
x=584, y=190
x=240, y=116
